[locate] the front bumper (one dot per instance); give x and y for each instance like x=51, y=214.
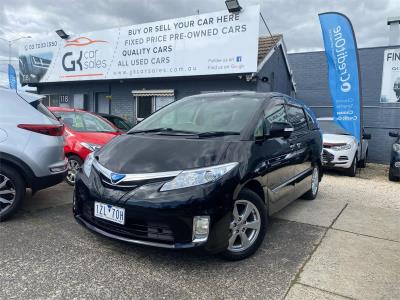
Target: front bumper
x=108, y=234
x=154, y=218
x=337, y=159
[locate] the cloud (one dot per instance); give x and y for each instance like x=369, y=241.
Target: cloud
x=296, y=20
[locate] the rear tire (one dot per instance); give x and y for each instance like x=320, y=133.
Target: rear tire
x=74, y=164
x=352, y=171
x=12, y=191
x=248, y=226
x=313, y=192
x=393, y=178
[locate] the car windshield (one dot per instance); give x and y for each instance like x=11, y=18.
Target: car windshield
x=331, y=127
x=208, y=114
x=121, y=123
x=84, y=122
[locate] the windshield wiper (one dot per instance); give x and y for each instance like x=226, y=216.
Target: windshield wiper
x=217, y=133
x=162, y=129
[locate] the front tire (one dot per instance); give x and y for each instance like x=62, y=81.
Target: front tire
x=248, y=226
x=74, y=164
x=12, y=192
x=352, y=171
x=363, y=162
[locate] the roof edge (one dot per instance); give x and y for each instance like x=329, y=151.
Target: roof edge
x=279, y=43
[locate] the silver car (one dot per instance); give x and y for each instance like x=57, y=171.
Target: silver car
x=31, y=148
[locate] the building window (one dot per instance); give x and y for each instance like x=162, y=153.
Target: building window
x=144, y=107
x=162, y=101
x=149, y=101
x=79, y=101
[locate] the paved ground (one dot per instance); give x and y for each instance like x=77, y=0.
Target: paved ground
x=345, y=244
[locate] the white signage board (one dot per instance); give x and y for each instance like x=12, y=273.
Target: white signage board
x=214, y=43
x=390, y=92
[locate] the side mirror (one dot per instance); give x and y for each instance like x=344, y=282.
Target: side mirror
x=280, y=129
x=366, y=136
x=394, y=134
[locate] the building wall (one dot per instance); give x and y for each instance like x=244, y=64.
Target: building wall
x=279, y=79
x=311, y=77
x=70, y=88
x=123, y=102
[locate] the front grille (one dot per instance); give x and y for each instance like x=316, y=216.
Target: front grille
x=121, y=185
x=135, y=229
x=327, y=156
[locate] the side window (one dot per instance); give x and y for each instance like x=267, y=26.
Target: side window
x=311, y=121
x=297, y=118
x=273, y=114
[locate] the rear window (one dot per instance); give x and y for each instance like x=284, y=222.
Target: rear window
x=43, y=109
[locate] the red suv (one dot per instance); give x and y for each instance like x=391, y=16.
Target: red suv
x=84, y=133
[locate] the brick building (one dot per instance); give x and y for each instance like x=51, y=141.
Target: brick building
x=135, y=99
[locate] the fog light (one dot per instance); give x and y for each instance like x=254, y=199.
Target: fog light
x=201, y=227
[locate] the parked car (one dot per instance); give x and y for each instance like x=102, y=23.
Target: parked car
x=206, y=171
x=341, y=149
x=84, y=133
x=31, y=148
x=120, y=123
x=394, y=170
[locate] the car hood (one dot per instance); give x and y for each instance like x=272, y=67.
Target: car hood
x=337, y=138
x=132, y=154
x=99, y=138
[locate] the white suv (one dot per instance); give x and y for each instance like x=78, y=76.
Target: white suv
x=31, y=148
x=341, y=150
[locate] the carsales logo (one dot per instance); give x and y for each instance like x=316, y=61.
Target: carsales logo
x=83, y=60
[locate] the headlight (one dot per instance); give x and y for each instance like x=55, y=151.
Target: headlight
x=396, y=147
x=340, y=148
x=87, y=165
x=198, y=176
x=91, y=147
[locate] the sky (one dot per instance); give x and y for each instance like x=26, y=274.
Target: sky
x=297, y=20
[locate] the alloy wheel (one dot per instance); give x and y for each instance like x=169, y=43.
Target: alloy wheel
x=73, y=168
x=245, y=226
x=7, y=193
x=314, y=181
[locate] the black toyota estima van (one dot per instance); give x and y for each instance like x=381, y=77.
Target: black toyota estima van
x=206, y=171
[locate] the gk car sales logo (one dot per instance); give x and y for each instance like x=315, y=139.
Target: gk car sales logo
x=83, y=60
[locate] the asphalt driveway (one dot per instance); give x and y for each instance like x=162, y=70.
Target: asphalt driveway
x=334, y=247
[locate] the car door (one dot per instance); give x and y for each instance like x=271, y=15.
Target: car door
x=273, y=153
x=300, y=143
